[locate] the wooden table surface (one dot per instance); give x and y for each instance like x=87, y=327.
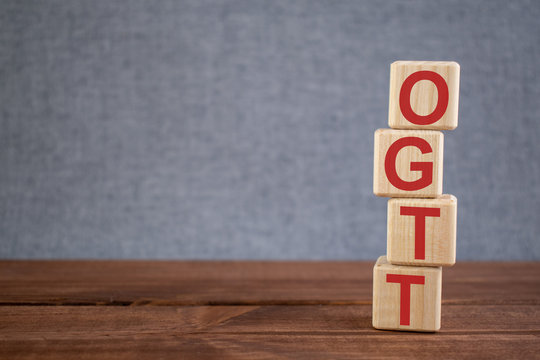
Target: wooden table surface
x=254, y=310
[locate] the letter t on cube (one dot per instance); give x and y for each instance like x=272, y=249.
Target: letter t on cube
x=406, y=297
x=408, y=163
x=422, y=232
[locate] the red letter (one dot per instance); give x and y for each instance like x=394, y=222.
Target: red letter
x=419, y=214
x=405, y=97
x=405, y=291
x=425, y=167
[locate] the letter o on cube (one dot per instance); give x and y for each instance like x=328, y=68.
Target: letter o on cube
x=424, y=95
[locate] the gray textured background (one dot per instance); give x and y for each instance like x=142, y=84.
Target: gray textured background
x=244, y=129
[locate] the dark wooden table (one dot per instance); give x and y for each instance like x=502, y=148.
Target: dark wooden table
x=254, y=310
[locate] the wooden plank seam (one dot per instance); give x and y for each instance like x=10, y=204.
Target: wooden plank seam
x=408, y=168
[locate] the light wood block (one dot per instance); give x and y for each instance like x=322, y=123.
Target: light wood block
x=422, y=232
x=424, y=95
x=408, y=163
x=406, y=297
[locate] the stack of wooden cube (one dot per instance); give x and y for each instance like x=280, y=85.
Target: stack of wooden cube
x=408, y=168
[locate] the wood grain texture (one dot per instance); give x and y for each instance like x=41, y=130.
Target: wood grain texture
x=424, y=95
x=261, y=332
x=184, y=283
x=401, y=305
x=253, y=310
x=438, y=229
x=245, y=283
x=385, y=139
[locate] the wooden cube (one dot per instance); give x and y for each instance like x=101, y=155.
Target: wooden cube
x=424, y=95
x=406, y=297
x=422, y=232
x=408, y=163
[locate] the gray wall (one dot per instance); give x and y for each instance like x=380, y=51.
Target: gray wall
x=244, y=129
